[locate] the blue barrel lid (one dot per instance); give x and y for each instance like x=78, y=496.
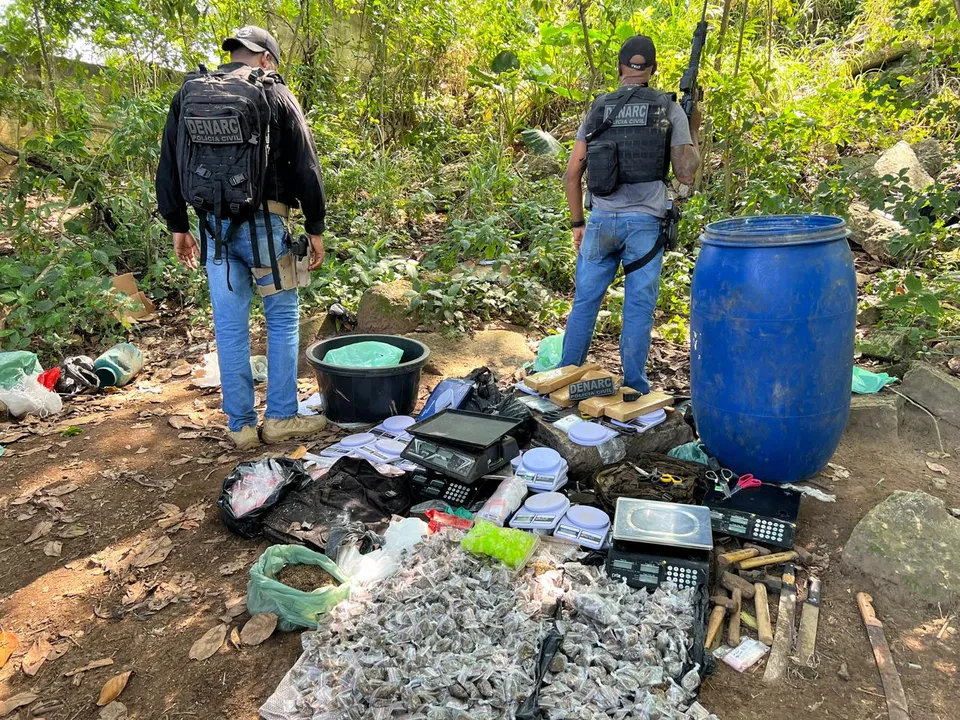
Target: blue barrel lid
x=773, y=230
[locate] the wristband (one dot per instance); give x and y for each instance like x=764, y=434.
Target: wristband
x=578, y=223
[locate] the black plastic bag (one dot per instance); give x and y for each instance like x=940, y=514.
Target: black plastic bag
x=352, y=491
x=283, y=475
x=487, y=398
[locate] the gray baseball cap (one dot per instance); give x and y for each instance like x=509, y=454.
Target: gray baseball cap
x=254, y=39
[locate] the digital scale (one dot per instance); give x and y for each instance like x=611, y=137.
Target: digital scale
x=429, y=485
x=394, y=427
x=541, y=512
x=382, y=450
x=656, y=542
x=590, y=434
x=462, y=445
x=349, y=445
x=585, y=525
x=766, y=514
x=543, y=469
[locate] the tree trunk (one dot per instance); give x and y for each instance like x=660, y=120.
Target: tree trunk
x=724, y=22
x=48, y=66
x=582, y=8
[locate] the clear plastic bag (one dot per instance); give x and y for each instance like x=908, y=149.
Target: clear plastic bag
x=513, y=548
x=506, y=499
x=612, y=451
x=369, y=354
x=27, y=396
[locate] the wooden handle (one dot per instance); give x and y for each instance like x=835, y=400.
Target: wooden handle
x=869, y=615
x=733, y=627
x=731, y=582
x=727, y=559
x=775, y=559
x=764, y=629
x=713, y=626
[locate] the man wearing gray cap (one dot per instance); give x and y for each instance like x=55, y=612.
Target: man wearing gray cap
x=627, y=144
x=237, y=148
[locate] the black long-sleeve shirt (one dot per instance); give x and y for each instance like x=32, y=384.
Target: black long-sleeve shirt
x=293, y=169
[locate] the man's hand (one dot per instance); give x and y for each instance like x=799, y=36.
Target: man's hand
x=578, y=237
x=186, y=250
x=316, y=246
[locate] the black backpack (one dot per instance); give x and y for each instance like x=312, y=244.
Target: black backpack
x=222, y=148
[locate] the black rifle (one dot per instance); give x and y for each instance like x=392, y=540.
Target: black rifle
x=691, y=92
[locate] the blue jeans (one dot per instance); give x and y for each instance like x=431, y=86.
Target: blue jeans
x=612, y=238
x=231, y=320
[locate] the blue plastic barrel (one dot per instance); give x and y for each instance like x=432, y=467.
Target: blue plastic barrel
x=772, y=321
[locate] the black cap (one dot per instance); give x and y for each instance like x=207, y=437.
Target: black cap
x=254, y=39
x=638, y=45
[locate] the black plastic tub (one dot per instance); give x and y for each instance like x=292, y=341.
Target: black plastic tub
x=368, y=395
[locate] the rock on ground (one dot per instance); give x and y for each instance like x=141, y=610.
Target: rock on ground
x=859, y=166
x=910, y=546
x=901, y=156
x=874, y=418
x=884, y=344
x=873, y=231
x=585, y=462
x=937, y=391
x=385, y=308
x=503, y=351
x=929, y=154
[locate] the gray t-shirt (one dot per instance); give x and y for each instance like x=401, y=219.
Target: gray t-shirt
x=648, y=197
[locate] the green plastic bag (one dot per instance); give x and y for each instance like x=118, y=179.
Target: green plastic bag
x=369, y=354
x=295, y=608
x=14, y=365
x=692, y=451
x=867, y=383
x=549, y=352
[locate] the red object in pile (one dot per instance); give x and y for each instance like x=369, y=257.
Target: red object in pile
x=440, y=520
x=49, y=378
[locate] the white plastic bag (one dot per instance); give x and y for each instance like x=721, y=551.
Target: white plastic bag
x=29, y=397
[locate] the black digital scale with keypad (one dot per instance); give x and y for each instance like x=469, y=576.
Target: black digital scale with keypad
x=429, y=485
x=766, y=514
x=656, y=542
x=462, y=445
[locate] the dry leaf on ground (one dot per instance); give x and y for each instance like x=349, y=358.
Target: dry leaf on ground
x=103, y=662
x=234, y=567
x=182, y=461
x=258, y=629
x=235, y=638
x=8, y=643
x=152, y=552
x=181, y=369
x=113, y=687
x=39, y=530
x=839, y=471
x=208, y=645
x=938, y=468
x=17, y=701
x=53, y=548
x=36, y=656
x=64, y=489
x=73, y=531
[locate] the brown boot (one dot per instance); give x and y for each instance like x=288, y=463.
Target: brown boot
x=300, y=426
x=245, y=438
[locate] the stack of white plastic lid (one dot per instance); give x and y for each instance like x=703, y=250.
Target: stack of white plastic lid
x=645, y=422
x=349, y=445
x=590, y=434
x=543, y=469
x=542, y=511
x=588, y=526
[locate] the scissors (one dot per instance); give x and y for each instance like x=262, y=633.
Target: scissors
x=746, y=482
x=670, y=479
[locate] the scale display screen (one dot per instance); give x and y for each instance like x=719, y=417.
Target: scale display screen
x=440, y=457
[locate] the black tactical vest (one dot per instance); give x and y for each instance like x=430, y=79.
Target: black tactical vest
x=635, y=148
x=223, y=140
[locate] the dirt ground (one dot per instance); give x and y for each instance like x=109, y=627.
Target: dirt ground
x=110, y=492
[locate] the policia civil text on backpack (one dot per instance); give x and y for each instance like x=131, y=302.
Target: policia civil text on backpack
x=223, y=145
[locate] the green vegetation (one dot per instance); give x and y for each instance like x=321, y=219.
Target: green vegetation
x=442, y=127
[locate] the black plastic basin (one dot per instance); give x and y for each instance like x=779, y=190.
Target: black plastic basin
x=368, y=395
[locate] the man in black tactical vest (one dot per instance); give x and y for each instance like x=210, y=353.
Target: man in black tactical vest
x=626, y=145
x=236, y=147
